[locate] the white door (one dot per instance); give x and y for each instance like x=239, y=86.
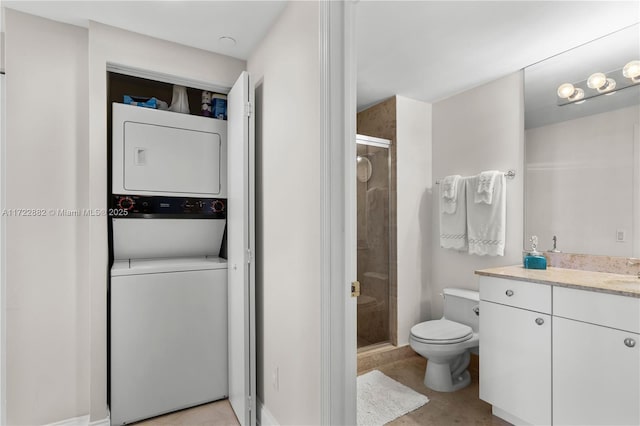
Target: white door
x=240, y=246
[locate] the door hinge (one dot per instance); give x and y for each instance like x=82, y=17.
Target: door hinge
x=249, y=256
x=248, y=109
x=355, y=289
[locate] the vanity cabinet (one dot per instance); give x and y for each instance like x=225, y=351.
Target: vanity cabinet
x=515, y=349
x=596, y=358
x=551, y=354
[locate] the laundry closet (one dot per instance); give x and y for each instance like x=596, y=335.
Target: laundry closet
x=180, y=294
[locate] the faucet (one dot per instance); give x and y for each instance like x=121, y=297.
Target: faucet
x=555, y=242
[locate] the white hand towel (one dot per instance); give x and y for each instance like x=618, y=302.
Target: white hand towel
x=449, y=193
x=486, y=223
x=453, y=225
x=486, y=182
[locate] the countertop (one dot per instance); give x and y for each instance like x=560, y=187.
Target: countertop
x=624, y=285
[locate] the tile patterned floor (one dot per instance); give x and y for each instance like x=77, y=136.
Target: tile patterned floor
x=462, y=408
x=217, y=413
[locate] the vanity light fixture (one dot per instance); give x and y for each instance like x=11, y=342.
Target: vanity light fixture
x=632, y=71
x=599, y=83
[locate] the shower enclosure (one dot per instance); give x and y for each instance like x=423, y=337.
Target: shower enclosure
x=373, y=165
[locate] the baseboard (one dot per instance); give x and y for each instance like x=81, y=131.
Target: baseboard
x=76, y=421
x=81, y=421
x=103, y=422
x=508, y=417
x=265, y=418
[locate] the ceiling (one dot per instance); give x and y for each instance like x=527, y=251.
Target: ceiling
x=431, y=50
x=198, y=24
x=424, y=50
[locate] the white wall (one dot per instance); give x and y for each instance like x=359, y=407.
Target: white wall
x=47, y=297
x=579, y=174
x=414, y=188
x=112, y=45
x=287, y=64
x=480, y=129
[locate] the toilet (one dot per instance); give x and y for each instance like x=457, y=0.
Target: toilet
x=446, y=343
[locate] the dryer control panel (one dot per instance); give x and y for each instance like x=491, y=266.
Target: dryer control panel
x=140, y=206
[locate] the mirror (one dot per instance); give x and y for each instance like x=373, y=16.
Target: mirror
x=582, y=160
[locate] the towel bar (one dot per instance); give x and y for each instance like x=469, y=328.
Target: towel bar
x=510, y=174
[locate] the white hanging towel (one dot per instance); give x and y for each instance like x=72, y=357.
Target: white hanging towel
x=453, y=222
x=449, y=193
x=486, y=182
x=486, y=223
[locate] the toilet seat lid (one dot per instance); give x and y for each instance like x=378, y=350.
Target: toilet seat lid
x=441, y=331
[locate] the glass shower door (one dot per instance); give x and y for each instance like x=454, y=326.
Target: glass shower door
x=373, y=183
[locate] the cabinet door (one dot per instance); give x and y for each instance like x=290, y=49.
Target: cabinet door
x=515, y=361
x=596, y=376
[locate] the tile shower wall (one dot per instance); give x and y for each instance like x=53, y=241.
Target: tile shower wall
x=377, y=267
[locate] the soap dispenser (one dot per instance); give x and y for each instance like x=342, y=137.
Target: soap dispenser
x=535, y=259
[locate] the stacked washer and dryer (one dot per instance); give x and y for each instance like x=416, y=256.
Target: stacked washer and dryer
x=168, y=287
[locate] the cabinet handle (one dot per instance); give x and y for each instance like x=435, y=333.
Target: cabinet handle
x=629, y=342
x=509, y=293
x=539, y=321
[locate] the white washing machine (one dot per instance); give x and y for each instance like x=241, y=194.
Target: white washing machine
x=168, y=336
x=168, y=317
x=168, y=289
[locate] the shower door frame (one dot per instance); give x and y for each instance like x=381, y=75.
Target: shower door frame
x=392, y=320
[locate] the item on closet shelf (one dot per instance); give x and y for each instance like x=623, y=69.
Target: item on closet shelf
x=205, y=105
x=162, y=105
x=140, y=101
x=486, y=183
x=534, y=259
x=453, y=222
x=219, y=106
x=486, y=223
x=179, y=101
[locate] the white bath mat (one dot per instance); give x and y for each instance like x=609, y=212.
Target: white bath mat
x=381, y=399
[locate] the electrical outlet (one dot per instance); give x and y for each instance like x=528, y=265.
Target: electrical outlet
x=275, y=379
x=621, y=235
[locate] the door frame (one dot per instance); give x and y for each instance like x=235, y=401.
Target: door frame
x=3, y=310
x=338, y=214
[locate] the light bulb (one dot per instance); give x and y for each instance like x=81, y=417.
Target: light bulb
x=596, y=80
x=631, y=70
x=578, y=94
x=609, y=85
x=566, y=90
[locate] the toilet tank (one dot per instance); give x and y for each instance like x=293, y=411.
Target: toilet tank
x=459, y=305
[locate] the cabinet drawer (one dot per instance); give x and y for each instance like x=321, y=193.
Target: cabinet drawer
x=520, y=294
x=611, y=310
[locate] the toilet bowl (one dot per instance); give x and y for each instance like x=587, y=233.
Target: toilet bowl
x=446, y=343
